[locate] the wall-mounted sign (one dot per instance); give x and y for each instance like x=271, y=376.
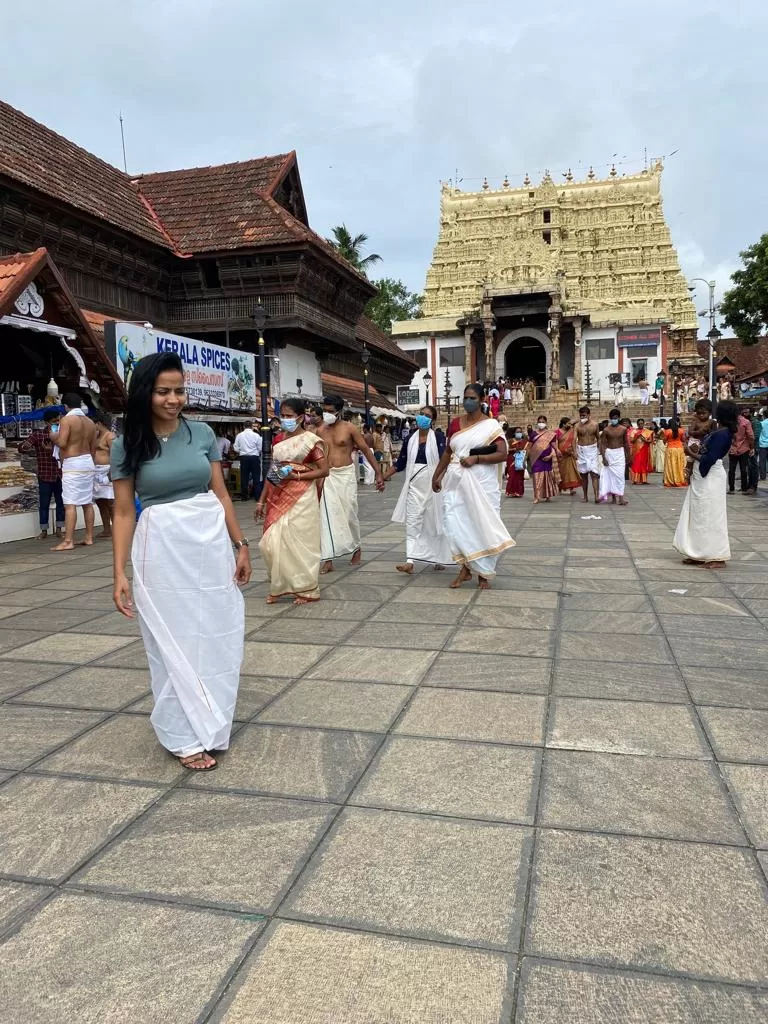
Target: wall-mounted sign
x=215, y=376
x=408, y=396
x=633, y=337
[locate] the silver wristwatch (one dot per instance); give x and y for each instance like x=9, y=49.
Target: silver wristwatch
x=241, y=543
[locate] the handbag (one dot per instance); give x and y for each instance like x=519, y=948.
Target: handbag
x=485, y=449
x=520, y=460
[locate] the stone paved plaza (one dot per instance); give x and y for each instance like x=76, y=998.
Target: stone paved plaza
x=546, y=804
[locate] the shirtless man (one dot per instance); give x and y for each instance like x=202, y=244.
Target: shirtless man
x=103, y=492
x=614, y=449
x=77, y=444
x=587, y=454
x=339, y=523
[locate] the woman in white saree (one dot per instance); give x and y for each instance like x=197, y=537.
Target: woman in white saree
x=468, y=475
x=290, y=501
x=418, y=506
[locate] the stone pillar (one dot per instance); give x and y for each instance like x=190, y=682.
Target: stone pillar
x=555, y=315
x=578, y=370
x=490, y=362
x=469, y=370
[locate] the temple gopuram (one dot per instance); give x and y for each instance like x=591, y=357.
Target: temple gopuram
x=537, y=281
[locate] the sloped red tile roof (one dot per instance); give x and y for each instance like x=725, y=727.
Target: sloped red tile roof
x=352, y=391
x=15, y=274
x=749, y=360
x=369, y=334
x=36, y=156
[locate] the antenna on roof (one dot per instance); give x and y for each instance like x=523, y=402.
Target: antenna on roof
x=122, y=136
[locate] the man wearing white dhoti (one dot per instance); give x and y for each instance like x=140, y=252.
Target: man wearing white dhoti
x=468, y=475
x=588, y=459
x=614, y=450
x=76, y=440
x=103, y=492
x=418, y=506
x=185, y=576
x=701, y=536
x=339, y=522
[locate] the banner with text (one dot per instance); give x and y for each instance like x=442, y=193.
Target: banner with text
x=215, y=376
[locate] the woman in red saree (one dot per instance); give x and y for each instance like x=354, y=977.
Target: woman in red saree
x=570, y=480
x=517, y=448
x=290, y=507
x=642, y=452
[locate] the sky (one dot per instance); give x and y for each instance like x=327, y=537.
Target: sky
x=383, y=101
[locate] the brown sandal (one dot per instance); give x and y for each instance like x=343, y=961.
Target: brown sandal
x=197, y=762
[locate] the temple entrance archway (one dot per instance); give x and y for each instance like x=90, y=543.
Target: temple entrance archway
x=525, y=352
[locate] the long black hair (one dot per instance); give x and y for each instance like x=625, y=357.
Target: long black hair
x=140, y=442
x=727, y=416
x=674, y=426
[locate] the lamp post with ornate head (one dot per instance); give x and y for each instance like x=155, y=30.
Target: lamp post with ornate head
x=259, y=317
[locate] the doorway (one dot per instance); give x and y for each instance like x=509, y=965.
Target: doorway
x=526, y=357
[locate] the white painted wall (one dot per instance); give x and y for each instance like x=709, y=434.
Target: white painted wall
x=299, y=363
x=437, y=385
x=601, y=368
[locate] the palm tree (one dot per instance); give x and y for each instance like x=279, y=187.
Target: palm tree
x=351, y=248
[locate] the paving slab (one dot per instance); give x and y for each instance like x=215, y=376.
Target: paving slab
x=246, y=850
x=749, y=786
x=374, y=665
x=646, y=796
x=607, y=679
x=285, y=761
x=107, y=689
x=490, y=672
x=302, y=974
x=16, y=899
x=619, y=901
x=746, y=689
x=29, y=732
x=470, y=715
x=434, y=878
x=625, y=727
x=558, y=993
x=96, y=958
x=737, y=734
x=472, y=780
x=370, y=707
x=50, y=825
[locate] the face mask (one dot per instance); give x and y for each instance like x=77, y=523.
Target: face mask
x=423, y=422
x=542, y=426
x=471, y=404
x=584, y=419
x=289, y=424
x=614, y=423
x=518, y=435
x=329, y=418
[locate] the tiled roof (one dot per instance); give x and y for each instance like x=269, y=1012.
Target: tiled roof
x=749, y=360
x=214, y=208
x=15, y=274
x=375, y=338
x=352, y=392
x=36, y=156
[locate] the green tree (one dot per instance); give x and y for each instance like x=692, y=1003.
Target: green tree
x=351, y=248
x=745, y=306
x=393, y=301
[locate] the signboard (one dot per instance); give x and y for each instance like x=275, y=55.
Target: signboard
x=407, y=396
x=215, y=376
x=638, y=336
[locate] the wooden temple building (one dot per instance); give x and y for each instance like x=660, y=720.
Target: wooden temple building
x=191, y=252
x=537, y=281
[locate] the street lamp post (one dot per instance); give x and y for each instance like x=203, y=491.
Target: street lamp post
x=259, y=317
x=674, y=368
x=427, y=378
x=365, y=358
x=713, y=333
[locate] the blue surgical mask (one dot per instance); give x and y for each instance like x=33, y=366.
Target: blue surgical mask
x=518, y=435
x=423, y=422
x=614, y=423
x=471, y=404
x=289, y=425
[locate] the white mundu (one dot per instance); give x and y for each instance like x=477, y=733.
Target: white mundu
x=702, y=530
x=192, y=615
x=339, y=522
x=472, y=500
x=612, y=475
x=420, y=508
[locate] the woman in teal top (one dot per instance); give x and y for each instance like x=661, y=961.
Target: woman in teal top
x=185, y=576
x=762, y=443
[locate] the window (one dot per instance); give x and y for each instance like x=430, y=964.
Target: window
x=639, y=370
x=452, y=356
x=210, y=269
x=598, y=348
x=419, y=355
x=547, y=236
x=547, y=216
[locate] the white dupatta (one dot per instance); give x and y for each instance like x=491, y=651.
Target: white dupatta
x=433, y=516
